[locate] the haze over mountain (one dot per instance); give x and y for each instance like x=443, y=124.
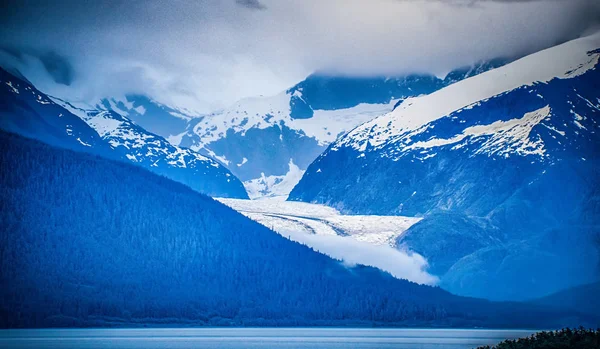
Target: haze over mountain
x=268, y=142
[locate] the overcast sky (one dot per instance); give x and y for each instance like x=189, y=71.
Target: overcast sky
x=205, y=55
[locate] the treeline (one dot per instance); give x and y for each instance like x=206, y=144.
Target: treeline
x=86, y=241
x=563, y=339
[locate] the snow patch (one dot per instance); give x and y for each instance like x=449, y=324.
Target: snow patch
x=83, y=143
x=103, y=123
x=578, y=124
x=13, y=88
x=503, y=137
x=244, y=160
x=176, y=139
x=140, y=109
x=269, y=186
x=220, y=158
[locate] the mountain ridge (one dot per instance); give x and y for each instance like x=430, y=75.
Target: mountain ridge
x=152, y=151
x=506, y=177
x=258, y=138
x=29, y=112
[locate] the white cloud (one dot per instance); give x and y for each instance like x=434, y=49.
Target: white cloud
x=401, y=264
x=206, y=54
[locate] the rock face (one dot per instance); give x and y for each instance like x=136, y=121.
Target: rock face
x=268, y=141
x=504, y=167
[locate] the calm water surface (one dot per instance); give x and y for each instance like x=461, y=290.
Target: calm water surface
x=261, y=338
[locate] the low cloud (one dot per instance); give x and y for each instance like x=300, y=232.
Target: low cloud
x=401, y=264
x=206, y=54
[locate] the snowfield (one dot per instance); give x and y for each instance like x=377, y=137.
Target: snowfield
x=263, y=112
x=366, y=240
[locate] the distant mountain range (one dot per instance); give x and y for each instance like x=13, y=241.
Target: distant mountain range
x=268, y=142
x=31, y=113
x=503, y=167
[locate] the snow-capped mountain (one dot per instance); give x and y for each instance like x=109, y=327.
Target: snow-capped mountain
x=268, y=142
x=503, y=167
x=155, y=153
x=264, y=146
x=27, y=111
x=31, y=113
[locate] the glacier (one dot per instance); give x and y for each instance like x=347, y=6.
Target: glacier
x=365, y=240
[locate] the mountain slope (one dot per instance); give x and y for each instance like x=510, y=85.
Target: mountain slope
x=269, y=141
x=503, y=167
x=153, y=152
x=92, y=242
x=31, y=113
x=583, y=298
x=27, y=111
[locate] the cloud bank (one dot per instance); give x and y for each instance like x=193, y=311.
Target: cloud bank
x=400, y=264
x=206, y=54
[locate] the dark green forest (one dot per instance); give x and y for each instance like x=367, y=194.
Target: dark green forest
x=86, y=241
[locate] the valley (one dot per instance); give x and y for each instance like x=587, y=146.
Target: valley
x=258, y=163
x=300, y=217
x=352, y=239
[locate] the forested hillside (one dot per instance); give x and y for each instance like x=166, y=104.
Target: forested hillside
x=86, y=241
x=583, y=298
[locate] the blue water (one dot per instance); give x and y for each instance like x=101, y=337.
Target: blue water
x=262, y=338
